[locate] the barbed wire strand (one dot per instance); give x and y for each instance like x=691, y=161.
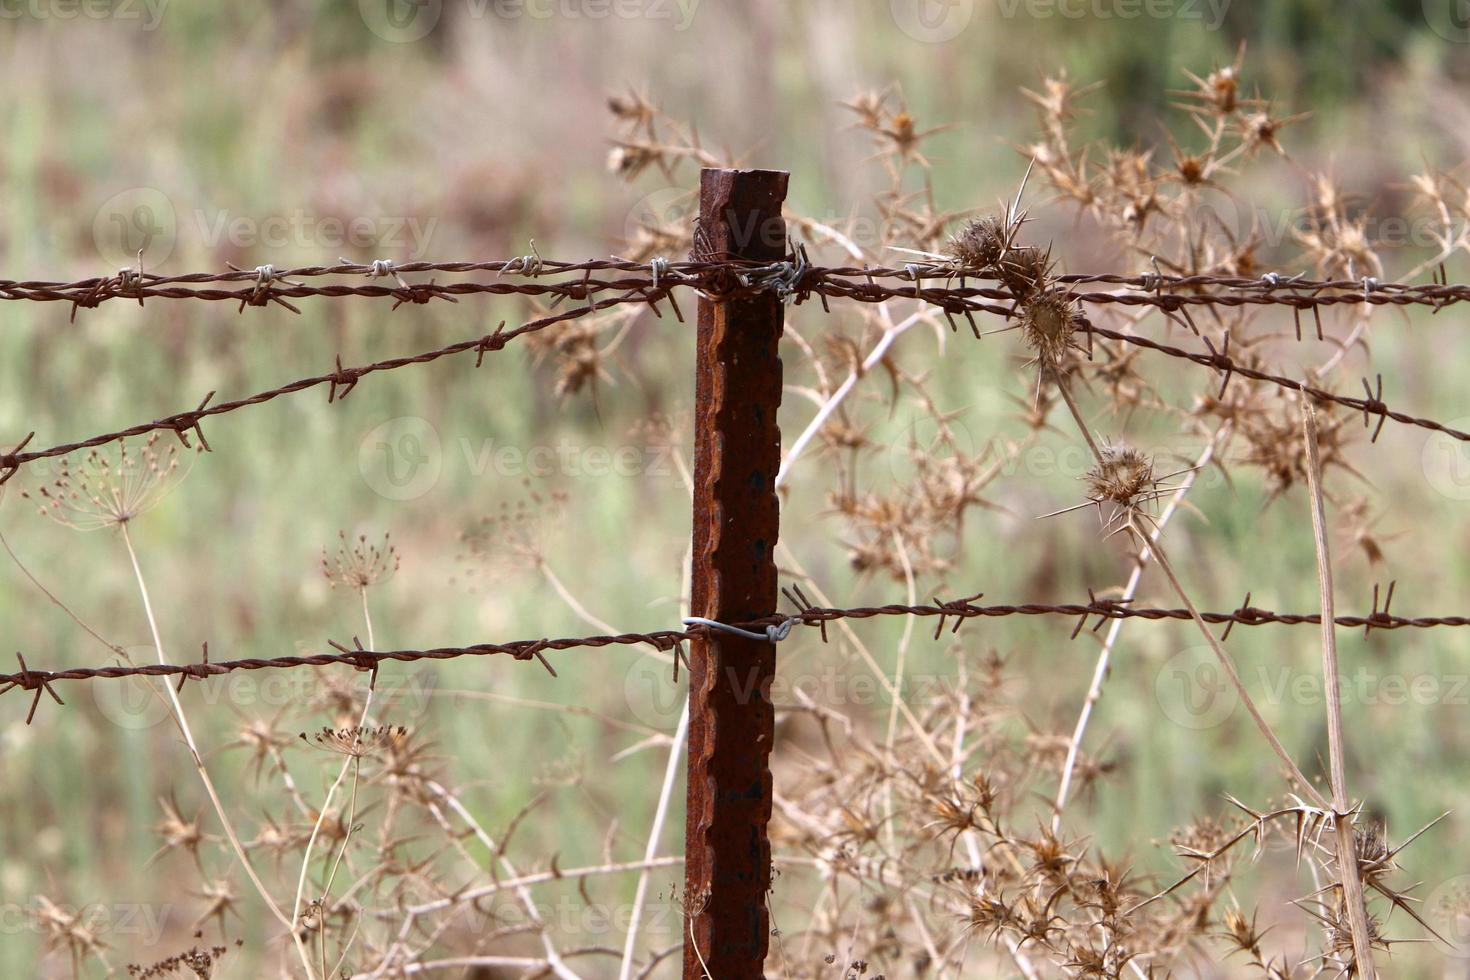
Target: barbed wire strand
x=341, y=382
x=792, y=279
x=958, y=610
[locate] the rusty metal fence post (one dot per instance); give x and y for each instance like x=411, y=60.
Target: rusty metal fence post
x=737, y=451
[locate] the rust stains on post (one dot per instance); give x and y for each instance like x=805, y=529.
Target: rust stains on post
x=737, y=452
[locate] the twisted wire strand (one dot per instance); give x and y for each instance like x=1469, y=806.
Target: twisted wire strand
x=797, y=280
x=39, y=681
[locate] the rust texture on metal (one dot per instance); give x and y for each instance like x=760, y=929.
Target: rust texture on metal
x=736, y=516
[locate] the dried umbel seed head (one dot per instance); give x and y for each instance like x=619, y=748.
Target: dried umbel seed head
x=1121, y=476
x=358, y=565
x=193, y=962
x=108, y=489
x=1049, y=325
x=358, y=741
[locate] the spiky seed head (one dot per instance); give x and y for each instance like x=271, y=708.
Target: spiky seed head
x=1024, y=269
x=1120, y=476
x=981, y=243
x=1048, y=325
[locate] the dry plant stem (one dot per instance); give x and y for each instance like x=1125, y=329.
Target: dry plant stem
x=59, y=604
x=1066, y=391
x=898, y=677
x=972, y=847
x=665, y=797
x=553, y=959
x=332, y=792
x=789, y=560
x=875, y=356
x=1230, y=671
x=183, y=725
x=1130, y=591
x=541, y=878
x=655, y=832
x=611, y=721
x=1347, y=857
x=571, y=600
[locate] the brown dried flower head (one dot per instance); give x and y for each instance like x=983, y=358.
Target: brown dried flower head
x=1122, y=476
x=109, y=489
x=358, y=741
x=1049, y=320
x=358, y=565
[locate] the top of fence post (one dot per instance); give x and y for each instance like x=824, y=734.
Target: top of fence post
x=737, y=451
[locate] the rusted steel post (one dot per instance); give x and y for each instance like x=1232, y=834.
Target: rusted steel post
x=737, y=450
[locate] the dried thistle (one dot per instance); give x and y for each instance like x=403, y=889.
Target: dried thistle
x=1049, y=320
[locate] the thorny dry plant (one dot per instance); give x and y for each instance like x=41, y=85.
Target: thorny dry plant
x=942, y=835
